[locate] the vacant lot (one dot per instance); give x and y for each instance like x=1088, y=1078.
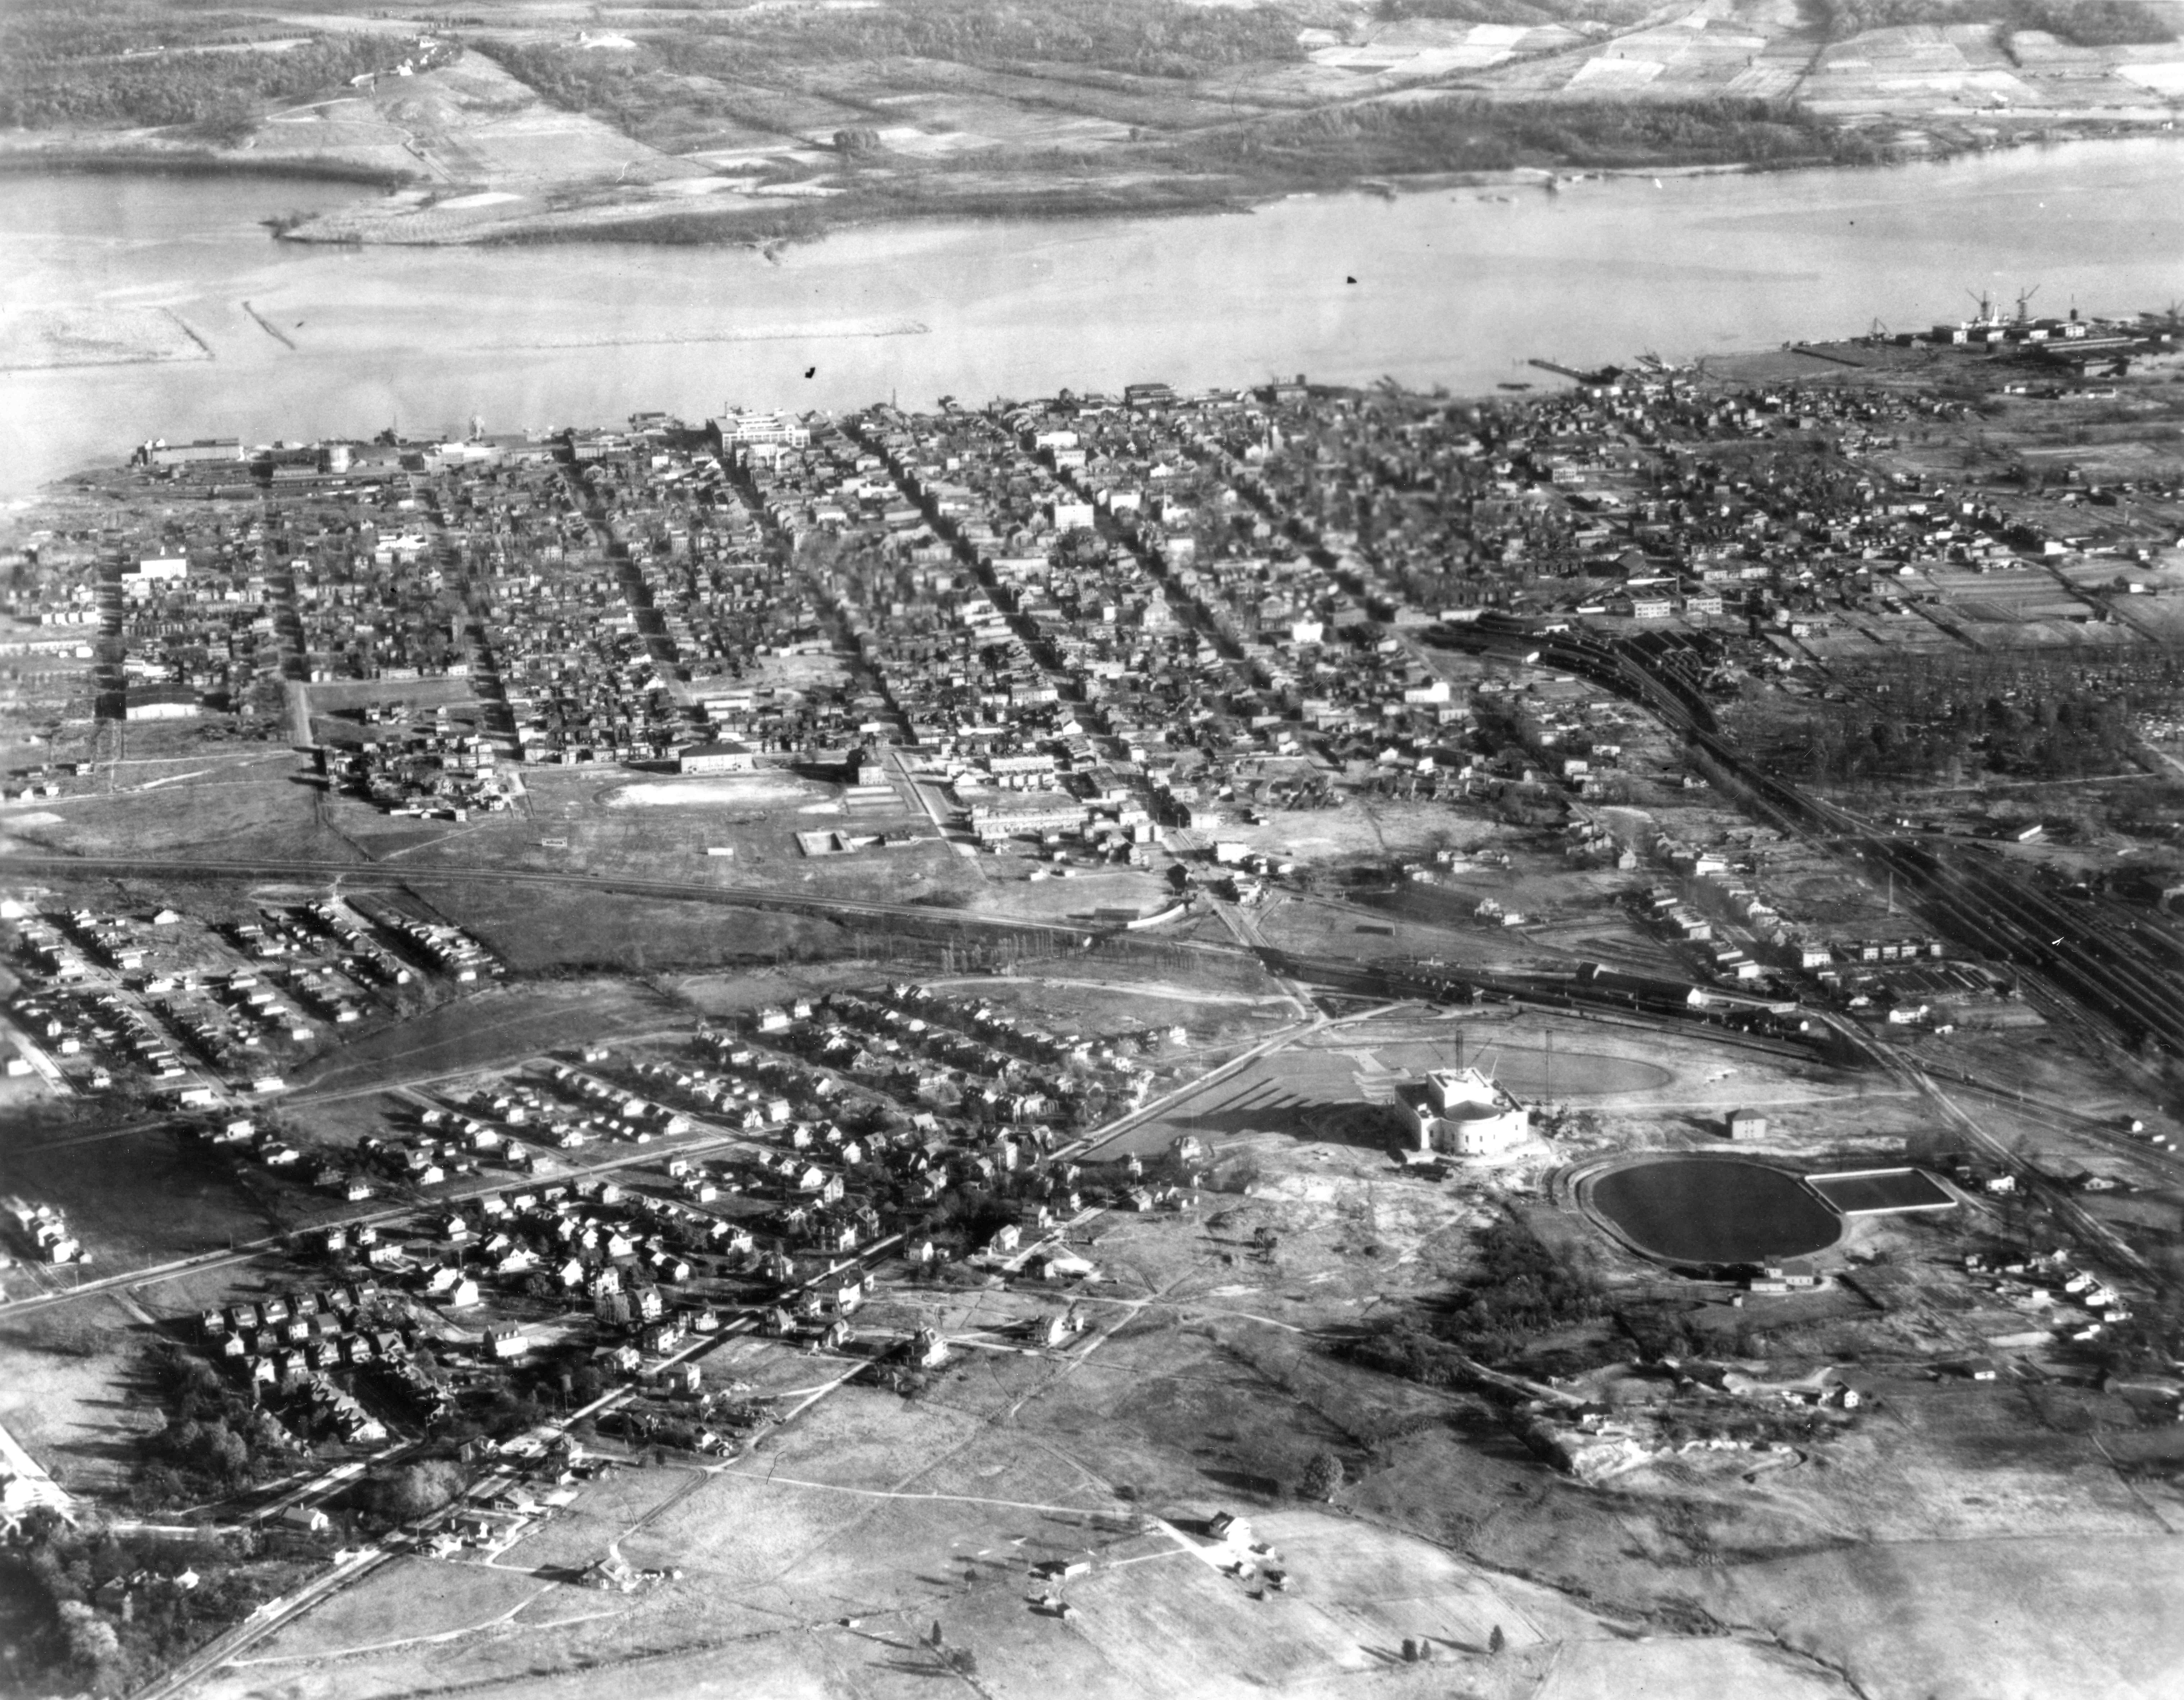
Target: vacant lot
x=72, y=1396
x=229, y=804
x=536, y=931
x=1998, y=1619
x=826, y=1562
x=490, y=1030
x=823, y=1563
x=142, y=1197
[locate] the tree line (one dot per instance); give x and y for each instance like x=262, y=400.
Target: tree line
x=1468, y=134
x=1949, y=718
x=2082, y=23
x=100, y=1611
x=60, y=67
x=1159, y=38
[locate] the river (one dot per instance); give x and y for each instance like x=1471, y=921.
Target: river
x=1436, y=287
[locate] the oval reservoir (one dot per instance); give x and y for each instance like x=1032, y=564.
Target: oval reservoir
x=1714, y=1210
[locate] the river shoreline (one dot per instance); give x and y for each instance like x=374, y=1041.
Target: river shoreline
x=1450, y=280
x=789, y=219
x=763, y=219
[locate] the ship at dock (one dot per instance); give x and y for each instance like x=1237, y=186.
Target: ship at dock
x=2071, y=340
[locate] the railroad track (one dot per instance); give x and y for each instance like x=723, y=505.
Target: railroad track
x=2109, y=970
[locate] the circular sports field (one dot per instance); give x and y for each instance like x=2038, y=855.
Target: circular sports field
x=1560, y=1073
x=1713, y=1210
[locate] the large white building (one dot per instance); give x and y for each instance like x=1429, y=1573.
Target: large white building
x=738, y=426
x=139, y=580
x=723, y=757
x=1056, y=813
x=1460, y=1113
x=161, y=702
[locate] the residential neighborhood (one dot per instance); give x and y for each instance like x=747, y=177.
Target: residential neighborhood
x=1278, y=943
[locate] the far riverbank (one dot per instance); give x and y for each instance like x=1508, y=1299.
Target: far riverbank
x=762, y=211
x=765, y=216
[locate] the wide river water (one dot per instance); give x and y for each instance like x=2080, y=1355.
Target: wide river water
x=1440, y=286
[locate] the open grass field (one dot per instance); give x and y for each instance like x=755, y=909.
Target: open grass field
x=489, y=1030
x=73, y=1397
x=137, y=1198
x=416, y=1602
x=206, y=806
x=1835, y=1565
x=824, y=1563
x=821, y=1564
x=605, y=931
x=615, y=822
x=1337, y=1088
x=1999, y=1619
x=1529, y=1068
